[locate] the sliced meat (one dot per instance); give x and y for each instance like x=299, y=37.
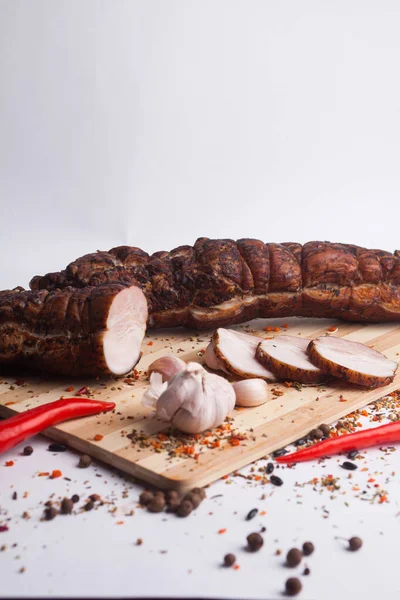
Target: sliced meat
x=211, y=359
x=237, y=353
x=351, y=361
x=286, y=356
x=91, y=331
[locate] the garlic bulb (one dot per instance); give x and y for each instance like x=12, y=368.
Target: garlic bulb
x=193, y=401
x=251, y=392
x=168, y=366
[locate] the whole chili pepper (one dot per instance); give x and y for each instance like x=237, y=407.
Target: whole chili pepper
x=384, y=434
x=20, y=427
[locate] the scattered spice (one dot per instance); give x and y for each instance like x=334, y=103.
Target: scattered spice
x=355, y=544
x=145, y=498
x=294, y=557
x=139, y=542
x=184, y=509
x=326, y=430
x=9, y=463
x=84, y=461
x=275, y=480
x=50, y=513
x=56, y=474
x=251, y=514
x=293, y=586
x=156, y=505
x=269, y=468
x=57, y=447
x=254, y=542
x=66, y=506
x=349, y=466
x=306, y=571
x=98, y=437
x=75, y=498
x=308, y=548
x=229, y=560
x=89, y=505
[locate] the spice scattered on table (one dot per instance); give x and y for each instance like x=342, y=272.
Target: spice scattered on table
x=355, y=544
x=229, y=560
x=308, y=548
x=349, y=466
x=254, y=542
x=294, y=557
x=57, y=447
x=27, y=451
x=275, y=480
x=84, y=461
x=251, y=514
x=293, y=586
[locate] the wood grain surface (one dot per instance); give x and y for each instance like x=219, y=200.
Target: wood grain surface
x=283, y=419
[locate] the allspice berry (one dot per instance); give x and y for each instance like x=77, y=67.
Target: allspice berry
x=200, y=491
x=156, y=505
x=84, y=461
x=66, y=506
x=229, y=560
x=145, y=498
x=194, y=498
x=294, y=557
x=160, y=493
x=172, y=496
x=184, y=508
x=355, y=544
x=308, y=548
x=293, y=586
x=325, y=429
x=254, y=542
x=50, y=513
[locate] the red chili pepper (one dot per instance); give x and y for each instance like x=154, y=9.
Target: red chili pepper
x=376, y=436
x=20, y=427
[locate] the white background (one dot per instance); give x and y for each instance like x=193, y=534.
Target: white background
x=152, y=123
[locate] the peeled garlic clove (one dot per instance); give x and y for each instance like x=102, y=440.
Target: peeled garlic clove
x=152, y=394
x=251, y=392
x=196, y=400
x=168, y=366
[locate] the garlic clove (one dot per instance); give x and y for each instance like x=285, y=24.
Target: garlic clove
x=167, y=365
x=152, y=394
x=251, y=392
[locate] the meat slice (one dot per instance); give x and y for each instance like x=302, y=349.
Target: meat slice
x=351, y=361
x=286, y=356
x=237, y=352
x=212, y=361
x=91, y=331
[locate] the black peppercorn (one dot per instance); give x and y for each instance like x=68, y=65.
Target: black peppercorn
x=269, y=468
x=275, y=480
x=280, y=452
x=349, y=466
x=293, y=586
x=75, y=498
x=251, y=514
x=57, y=447
x=27, y=450
x=254, y=542
x=89, y=505
x=352, y=454
x=294, y=557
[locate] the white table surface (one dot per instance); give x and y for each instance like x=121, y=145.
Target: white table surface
x=94, y=554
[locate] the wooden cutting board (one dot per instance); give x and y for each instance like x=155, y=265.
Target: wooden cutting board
x=169, y=464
